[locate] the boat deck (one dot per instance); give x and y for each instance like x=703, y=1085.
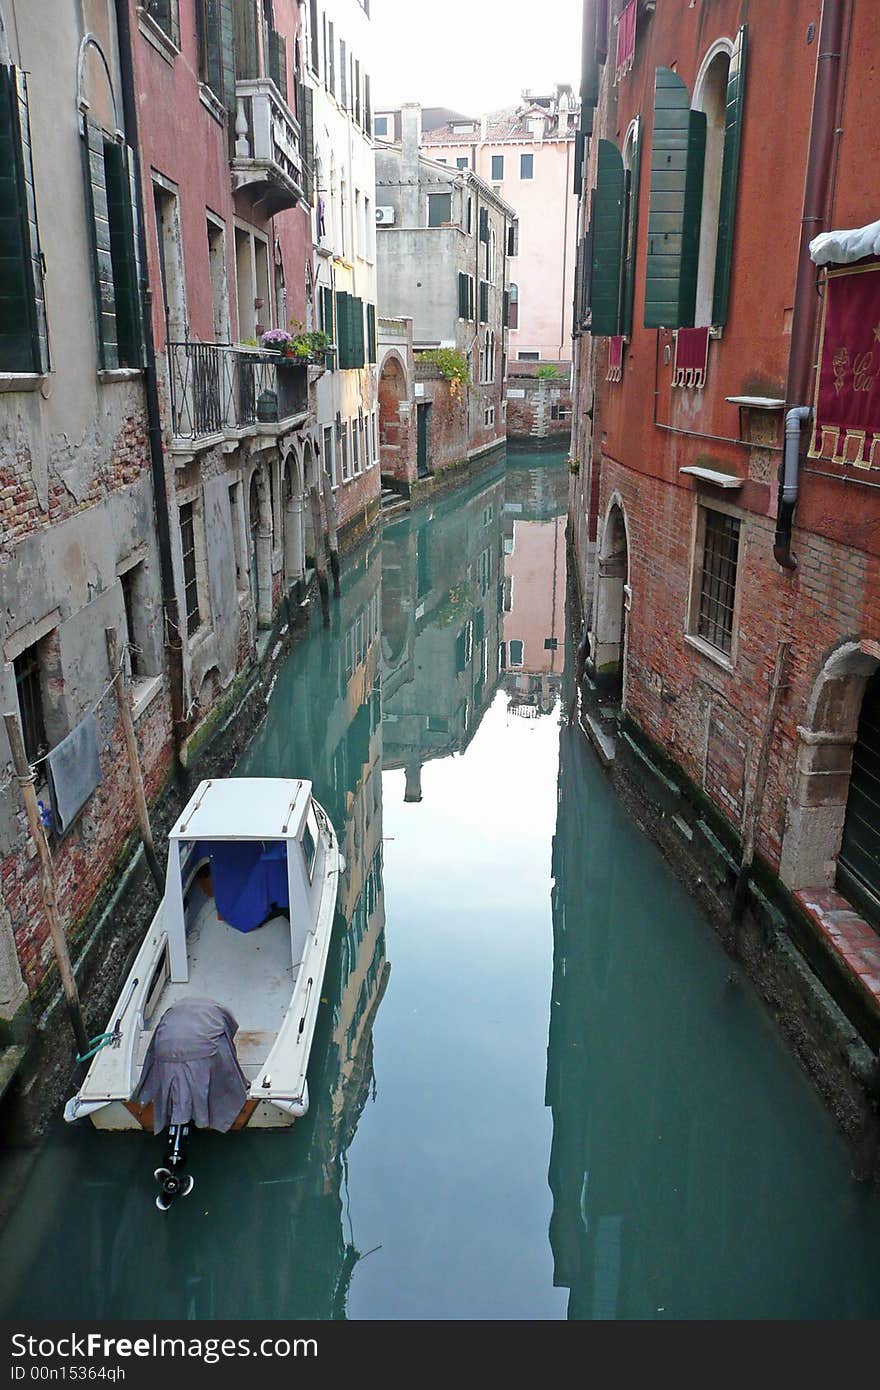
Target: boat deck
x=250, y=973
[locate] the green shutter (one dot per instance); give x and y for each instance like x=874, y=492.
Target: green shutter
x=462, y=296
x=736, y=88
x=307, y=142
x=122, y=203
x=102, y=253
x=607, y=241
x=484, y=301
x=227, y=54
x=357, y=316
x=278, y=61
x=24, y=344
x=505, y=309
x=677, y=156
x=213, y=48
x=484, y=224
x=372, y=339
x=631, y=232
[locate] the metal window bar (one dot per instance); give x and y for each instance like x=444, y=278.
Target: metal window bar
x=718, y=580
x=190, y=583
x=30, y=704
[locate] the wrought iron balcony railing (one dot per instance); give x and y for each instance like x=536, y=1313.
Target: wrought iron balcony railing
x=216, y=389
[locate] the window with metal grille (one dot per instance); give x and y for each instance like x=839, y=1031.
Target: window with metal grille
x=190, y=582
x=28, y=687
x=718, y=579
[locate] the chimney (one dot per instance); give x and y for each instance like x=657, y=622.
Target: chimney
x=411, y=134
x=563, y=113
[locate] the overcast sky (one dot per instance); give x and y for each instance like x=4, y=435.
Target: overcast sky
x=474, y=55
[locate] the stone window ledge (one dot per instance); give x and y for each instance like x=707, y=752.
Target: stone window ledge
x=155, y=35
x=110, y=374
x=21, y=381
x=706, y=649
x=212, y=104
x=144, y=690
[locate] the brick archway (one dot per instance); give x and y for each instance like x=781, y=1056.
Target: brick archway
x=817, y=808
x=394, y=422
x=608, y=638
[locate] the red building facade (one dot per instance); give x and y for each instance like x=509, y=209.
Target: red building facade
x=737, y=614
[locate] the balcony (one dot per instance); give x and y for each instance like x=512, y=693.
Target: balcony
x=219, y=393
x=266, y=159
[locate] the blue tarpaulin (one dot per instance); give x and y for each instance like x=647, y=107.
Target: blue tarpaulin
x=249, y=879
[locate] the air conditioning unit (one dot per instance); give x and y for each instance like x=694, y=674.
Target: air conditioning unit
x=384, y=217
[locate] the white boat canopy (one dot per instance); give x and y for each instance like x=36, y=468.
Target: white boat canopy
x=245, y=808
x=842, y=248
x=238, y=809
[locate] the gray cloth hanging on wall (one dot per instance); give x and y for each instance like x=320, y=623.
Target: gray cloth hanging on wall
x=74, y=771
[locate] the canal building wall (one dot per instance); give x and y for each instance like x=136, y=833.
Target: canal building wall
x=444, y=239
x=539, y=407
x=78, y=544
x=677, y=483
x=338, y=64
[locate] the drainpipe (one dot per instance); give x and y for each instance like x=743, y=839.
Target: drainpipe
x=173, y=644
x=823, y=125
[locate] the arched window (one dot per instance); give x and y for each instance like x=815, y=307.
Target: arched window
x=711, y=99
x=487, y=366
x=513, y=310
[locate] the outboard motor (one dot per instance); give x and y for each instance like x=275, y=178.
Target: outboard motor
x=173, y=1182
x=191, y=1076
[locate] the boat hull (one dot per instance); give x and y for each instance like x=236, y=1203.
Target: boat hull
x=120, y=1115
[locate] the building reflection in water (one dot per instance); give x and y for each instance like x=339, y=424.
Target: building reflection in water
x=533, y=640
x=441, y=626
x=264, y=1234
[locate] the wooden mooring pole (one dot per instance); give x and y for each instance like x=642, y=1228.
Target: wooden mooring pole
x=121, y=687
x=26, y=780
x=332, y=538
x=320, y=555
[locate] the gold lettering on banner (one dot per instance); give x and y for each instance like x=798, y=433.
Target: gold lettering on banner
x=840, y=363
x=864, y=372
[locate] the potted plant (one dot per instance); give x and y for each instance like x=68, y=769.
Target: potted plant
x=276, y=340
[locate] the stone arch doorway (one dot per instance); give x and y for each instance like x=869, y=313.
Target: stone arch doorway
x=831, y=837
x=392, y=425
x=610, y=614
x=292, y=504
x=260, y=546
x=310, y=480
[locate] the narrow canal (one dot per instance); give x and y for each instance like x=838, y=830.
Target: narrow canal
x=538, y=1089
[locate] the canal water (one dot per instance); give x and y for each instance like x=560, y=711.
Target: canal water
x=539, y=1088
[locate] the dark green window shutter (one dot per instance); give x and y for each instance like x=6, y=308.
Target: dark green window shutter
x=607, y=241
x=736, y=90
x=227, y=54
x=505, y=309
x=677, y=156
x=484, y=224
x=327, y=323
x=278, y=61
x=24, y=343
x=307, y=127
x=358, y=335
x=630, y=232
x=372, y=336
x=102, y=254
x=342, y=328
x=484, y=301
x=122, y=204
x=463, y=296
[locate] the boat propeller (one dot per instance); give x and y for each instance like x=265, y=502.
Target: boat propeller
x=173, y=1181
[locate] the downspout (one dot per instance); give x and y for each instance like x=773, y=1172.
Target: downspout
x=823, y=123
x=173, y=644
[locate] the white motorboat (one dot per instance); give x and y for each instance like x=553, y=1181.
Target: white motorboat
x=244, y=930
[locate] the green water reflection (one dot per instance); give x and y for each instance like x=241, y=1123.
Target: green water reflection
x=535, y=1091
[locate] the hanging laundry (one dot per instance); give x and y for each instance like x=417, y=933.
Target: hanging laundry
x=74, y=771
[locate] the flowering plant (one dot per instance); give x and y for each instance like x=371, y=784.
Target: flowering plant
x=278, y=339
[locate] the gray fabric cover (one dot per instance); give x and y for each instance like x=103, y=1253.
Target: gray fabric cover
x=191, y=1072
x=75, y=770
